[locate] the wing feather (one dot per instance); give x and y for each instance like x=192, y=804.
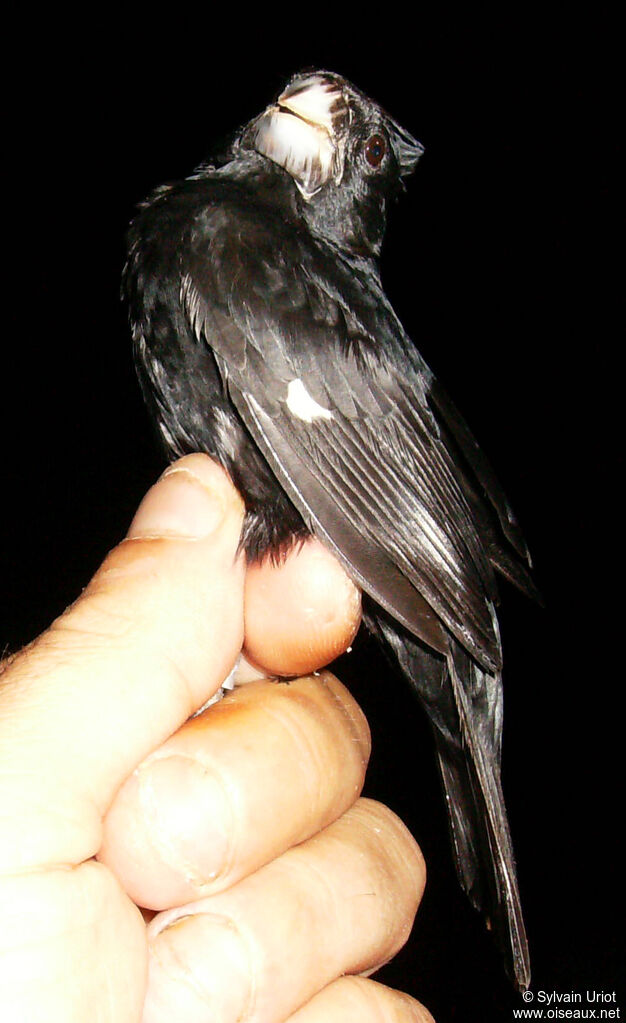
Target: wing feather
x=380, y=466
x=383, y=505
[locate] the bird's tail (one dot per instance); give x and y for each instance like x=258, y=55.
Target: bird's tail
x=464, y=704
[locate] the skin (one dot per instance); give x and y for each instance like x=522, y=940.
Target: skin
x=114, y=797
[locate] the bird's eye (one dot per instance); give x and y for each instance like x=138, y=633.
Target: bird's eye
x=375, y=149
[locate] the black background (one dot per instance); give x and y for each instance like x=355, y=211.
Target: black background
x=498, y=261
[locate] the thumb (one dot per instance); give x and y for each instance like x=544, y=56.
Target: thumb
x=151, y=638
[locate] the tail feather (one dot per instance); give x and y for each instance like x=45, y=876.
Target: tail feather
x=482, y=819
x=464, y=704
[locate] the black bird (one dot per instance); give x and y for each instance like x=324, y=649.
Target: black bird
x=262, y=336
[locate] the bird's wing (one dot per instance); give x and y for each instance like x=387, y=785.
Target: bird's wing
x=326, y=383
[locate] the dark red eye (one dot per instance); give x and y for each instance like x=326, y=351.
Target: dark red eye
x=375, y=149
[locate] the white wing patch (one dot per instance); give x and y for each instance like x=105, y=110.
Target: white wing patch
x=302, y=405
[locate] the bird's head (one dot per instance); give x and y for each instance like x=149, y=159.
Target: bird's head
x=345, y=155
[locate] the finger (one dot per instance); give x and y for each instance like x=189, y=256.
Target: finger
x=300, y=614
x=152, y=636
x=342, y=902
x=259, y=772
x=72, y=947
x=355, y=998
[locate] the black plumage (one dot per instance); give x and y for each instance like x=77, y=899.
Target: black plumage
x=263, y=336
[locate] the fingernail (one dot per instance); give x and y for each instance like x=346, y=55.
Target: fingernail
x=189, y=815
x=201, y=967
x=190, y=501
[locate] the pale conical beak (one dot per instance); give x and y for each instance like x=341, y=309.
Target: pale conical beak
x=305, y=131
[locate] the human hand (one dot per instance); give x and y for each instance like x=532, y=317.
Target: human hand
x=241, y=826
